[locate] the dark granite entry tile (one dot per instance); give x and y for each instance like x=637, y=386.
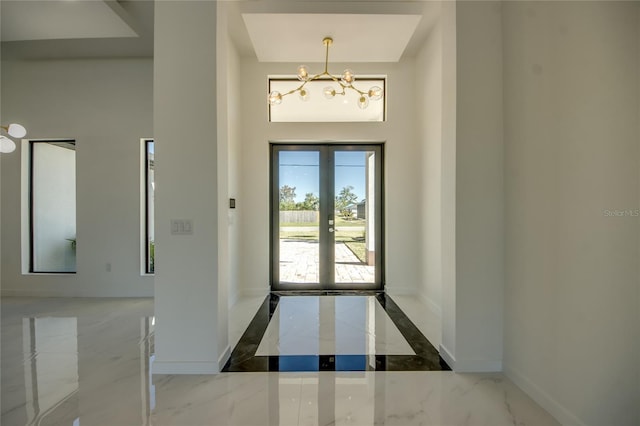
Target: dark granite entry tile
x=243, y=357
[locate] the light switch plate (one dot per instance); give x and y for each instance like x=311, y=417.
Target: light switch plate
x=181, y=227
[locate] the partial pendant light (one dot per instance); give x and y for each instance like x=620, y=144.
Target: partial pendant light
x=363, y=102
x=329, y=92
x=344, y=82
x=348, y=77
x=303, y=95
x=303, y=73
x=275, y=98
x=7, y=145
x=14, y=130
x=375, y=93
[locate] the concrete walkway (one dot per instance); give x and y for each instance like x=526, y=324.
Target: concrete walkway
x=299, y=264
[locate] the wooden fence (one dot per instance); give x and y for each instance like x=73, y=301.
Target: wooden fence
x=299, y=216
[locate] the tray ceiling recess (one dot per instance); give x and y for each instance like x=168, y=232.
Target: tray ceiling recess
x=291, y=37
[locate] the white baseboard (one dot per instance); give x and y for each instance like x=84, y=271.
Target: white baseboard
x=470, y=365
x=545, y=400
x=448, y=358
x=224, y=357
x=176, y=367
x=433, y=306
x=37, y=293
x=478, y=366
x=73, y=293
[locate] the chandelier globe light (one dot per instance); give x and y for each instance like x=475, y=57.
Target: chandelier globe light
x=344, y=83
x=14, y=130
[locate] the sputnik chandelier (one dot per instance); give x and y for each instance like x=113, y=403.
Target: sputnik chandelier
x=14, y=130
x=344, y=82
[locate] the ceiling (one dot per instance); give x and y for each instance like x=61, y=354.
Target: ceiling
x=51, y=29
x=46, y=20
x=270, y=30
x=286, y=37
x=363, y=30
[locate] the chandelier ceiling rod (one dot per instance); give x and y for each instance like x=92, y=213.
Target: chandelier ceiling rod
x=345, y=82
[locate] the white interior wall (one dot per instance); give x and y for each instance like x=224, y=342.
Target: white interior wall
x=571, y=135
x=235, y=126
x=402, y=168
x=429, y=121
x=222, y=48
x=448, y=176
x=479, y=195
x=190, y=300
x=106, y=106
x=228, y=142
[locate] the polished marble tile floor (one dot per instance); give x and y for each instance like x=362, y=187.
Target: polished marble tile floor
x=351, y=332
x=90, y=362
x=326, y=325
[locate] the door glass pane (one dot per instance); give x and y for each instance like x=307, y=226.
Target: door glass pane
x=299, y=204
x=355, y=218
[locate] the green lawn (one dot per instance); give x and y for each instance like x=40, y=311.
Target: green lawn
x=358, y=249
x=354, y=222
x=299, y=235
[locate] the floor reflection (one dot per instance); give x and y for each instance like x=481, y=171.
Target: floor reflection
x=329, y=398
x=332, y=325
x=88, y=362
x=344, y=398
x=63, y=362
x=50, y=348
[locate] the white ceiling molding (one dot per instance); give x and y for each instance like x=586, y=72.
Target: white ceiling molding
x=293, y=37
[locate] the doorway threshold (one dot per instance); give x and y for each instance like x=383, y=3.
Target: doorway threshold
x=327, y=292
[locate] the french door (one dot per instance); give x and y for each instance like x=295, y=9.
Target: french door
x=326, y=217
